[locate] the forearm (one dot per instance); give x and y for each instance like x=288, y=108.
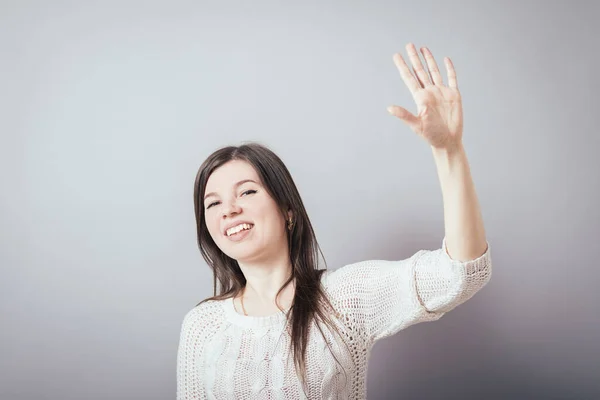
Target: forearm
x=463, y=223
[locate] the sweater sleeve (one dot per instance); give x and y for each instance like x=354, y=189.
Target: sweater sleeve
x=191, y=345
x=378, y=298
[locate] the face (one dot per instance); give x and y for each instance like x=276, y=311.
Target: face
x=235, y=198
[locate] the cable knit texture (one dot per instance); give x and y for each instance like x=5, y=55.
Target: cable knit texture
x=226, y=355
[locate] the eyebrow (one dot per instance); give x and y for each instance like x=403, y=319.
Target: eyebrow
x=236, y=185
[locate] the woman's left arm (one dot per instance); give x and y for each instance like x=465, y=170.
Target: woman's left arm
x=463, y=223
x=379, y=298
x=440, y=122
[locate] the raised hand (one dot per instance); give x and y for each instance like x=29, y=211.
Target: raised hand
x=439, y=118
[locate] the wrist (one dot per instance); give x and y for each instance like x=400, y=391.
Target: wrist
x=449, y=153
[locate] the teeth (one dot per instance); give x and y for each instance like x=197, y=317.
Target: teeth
x=236, y=229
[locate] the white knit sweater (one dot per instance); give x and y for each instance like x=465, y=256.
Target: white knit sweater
x=226, y=355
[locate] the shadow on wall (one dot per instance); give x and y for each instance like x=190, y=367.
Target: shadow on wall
x=462, y=355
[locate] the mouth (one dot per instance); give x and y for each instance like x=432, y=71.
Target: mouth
x=238, y=230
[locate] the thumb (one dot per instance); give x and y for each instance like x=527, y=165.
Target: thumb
x=410, y=119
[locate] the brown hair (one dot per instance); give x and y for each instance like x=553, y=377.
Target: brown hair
x=310, y=301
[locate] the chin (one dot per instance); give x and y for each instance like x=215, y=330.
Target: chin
x=241, y=255
x=250, y=255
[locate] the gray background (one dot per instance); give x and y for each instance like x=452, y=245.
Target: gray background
x=108, y=109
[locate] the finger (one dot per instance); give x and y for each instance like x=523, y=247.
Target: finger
x=415, y=74
x=406, y=75
x=409, y=118
x=433, y=67
x=451, y=73
x=416, y=62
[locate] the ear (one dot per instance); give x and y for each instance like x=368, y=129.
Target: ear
x=290, y=214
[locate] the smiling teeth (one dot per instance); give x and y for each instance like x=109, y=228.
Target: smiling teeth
x=236, y=229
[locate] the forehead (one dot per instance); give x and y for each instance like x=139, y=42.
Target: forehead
x=229, y=174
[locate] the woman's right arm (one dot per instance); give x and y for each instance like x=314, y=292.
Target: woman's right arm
x=189, y=384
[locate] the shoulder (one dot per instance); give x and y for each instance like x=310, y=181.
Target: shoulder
x=200, y=326
x=349, y=279
x=347, y=273
x=364, y=271
x=209, y=313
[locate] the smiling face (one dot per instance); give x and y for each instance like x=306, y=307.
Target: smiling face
x=236, y=198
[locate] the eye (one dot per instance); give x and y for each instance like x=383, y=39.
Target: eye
x=251, y=191
x=212, y=204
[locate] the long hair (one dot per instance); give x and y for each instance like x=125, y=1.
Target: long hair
x=310, y=302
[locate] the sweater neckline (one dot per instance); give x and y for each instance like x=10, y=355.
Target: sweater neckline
x=250, y=321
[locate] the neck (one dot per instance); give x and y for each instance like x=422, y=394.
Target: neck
x=265, y=278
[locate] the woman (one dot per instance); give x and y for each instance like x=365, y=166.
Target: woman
x=282, y=328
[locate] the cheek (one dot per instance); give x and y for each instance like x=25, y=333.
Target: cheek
x=274, y=222
x=212, y=225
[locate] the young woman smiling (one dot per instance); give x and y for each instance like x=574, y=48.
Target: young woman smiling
x=280, y=327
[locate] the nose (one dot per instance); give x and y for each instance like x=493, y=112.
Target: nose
x=230, y=208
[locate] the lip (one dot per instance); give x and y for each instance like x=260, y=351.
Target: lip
x=232, y=224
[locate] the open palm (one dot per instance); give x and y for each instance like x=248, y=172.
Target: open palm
x=439, y=118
